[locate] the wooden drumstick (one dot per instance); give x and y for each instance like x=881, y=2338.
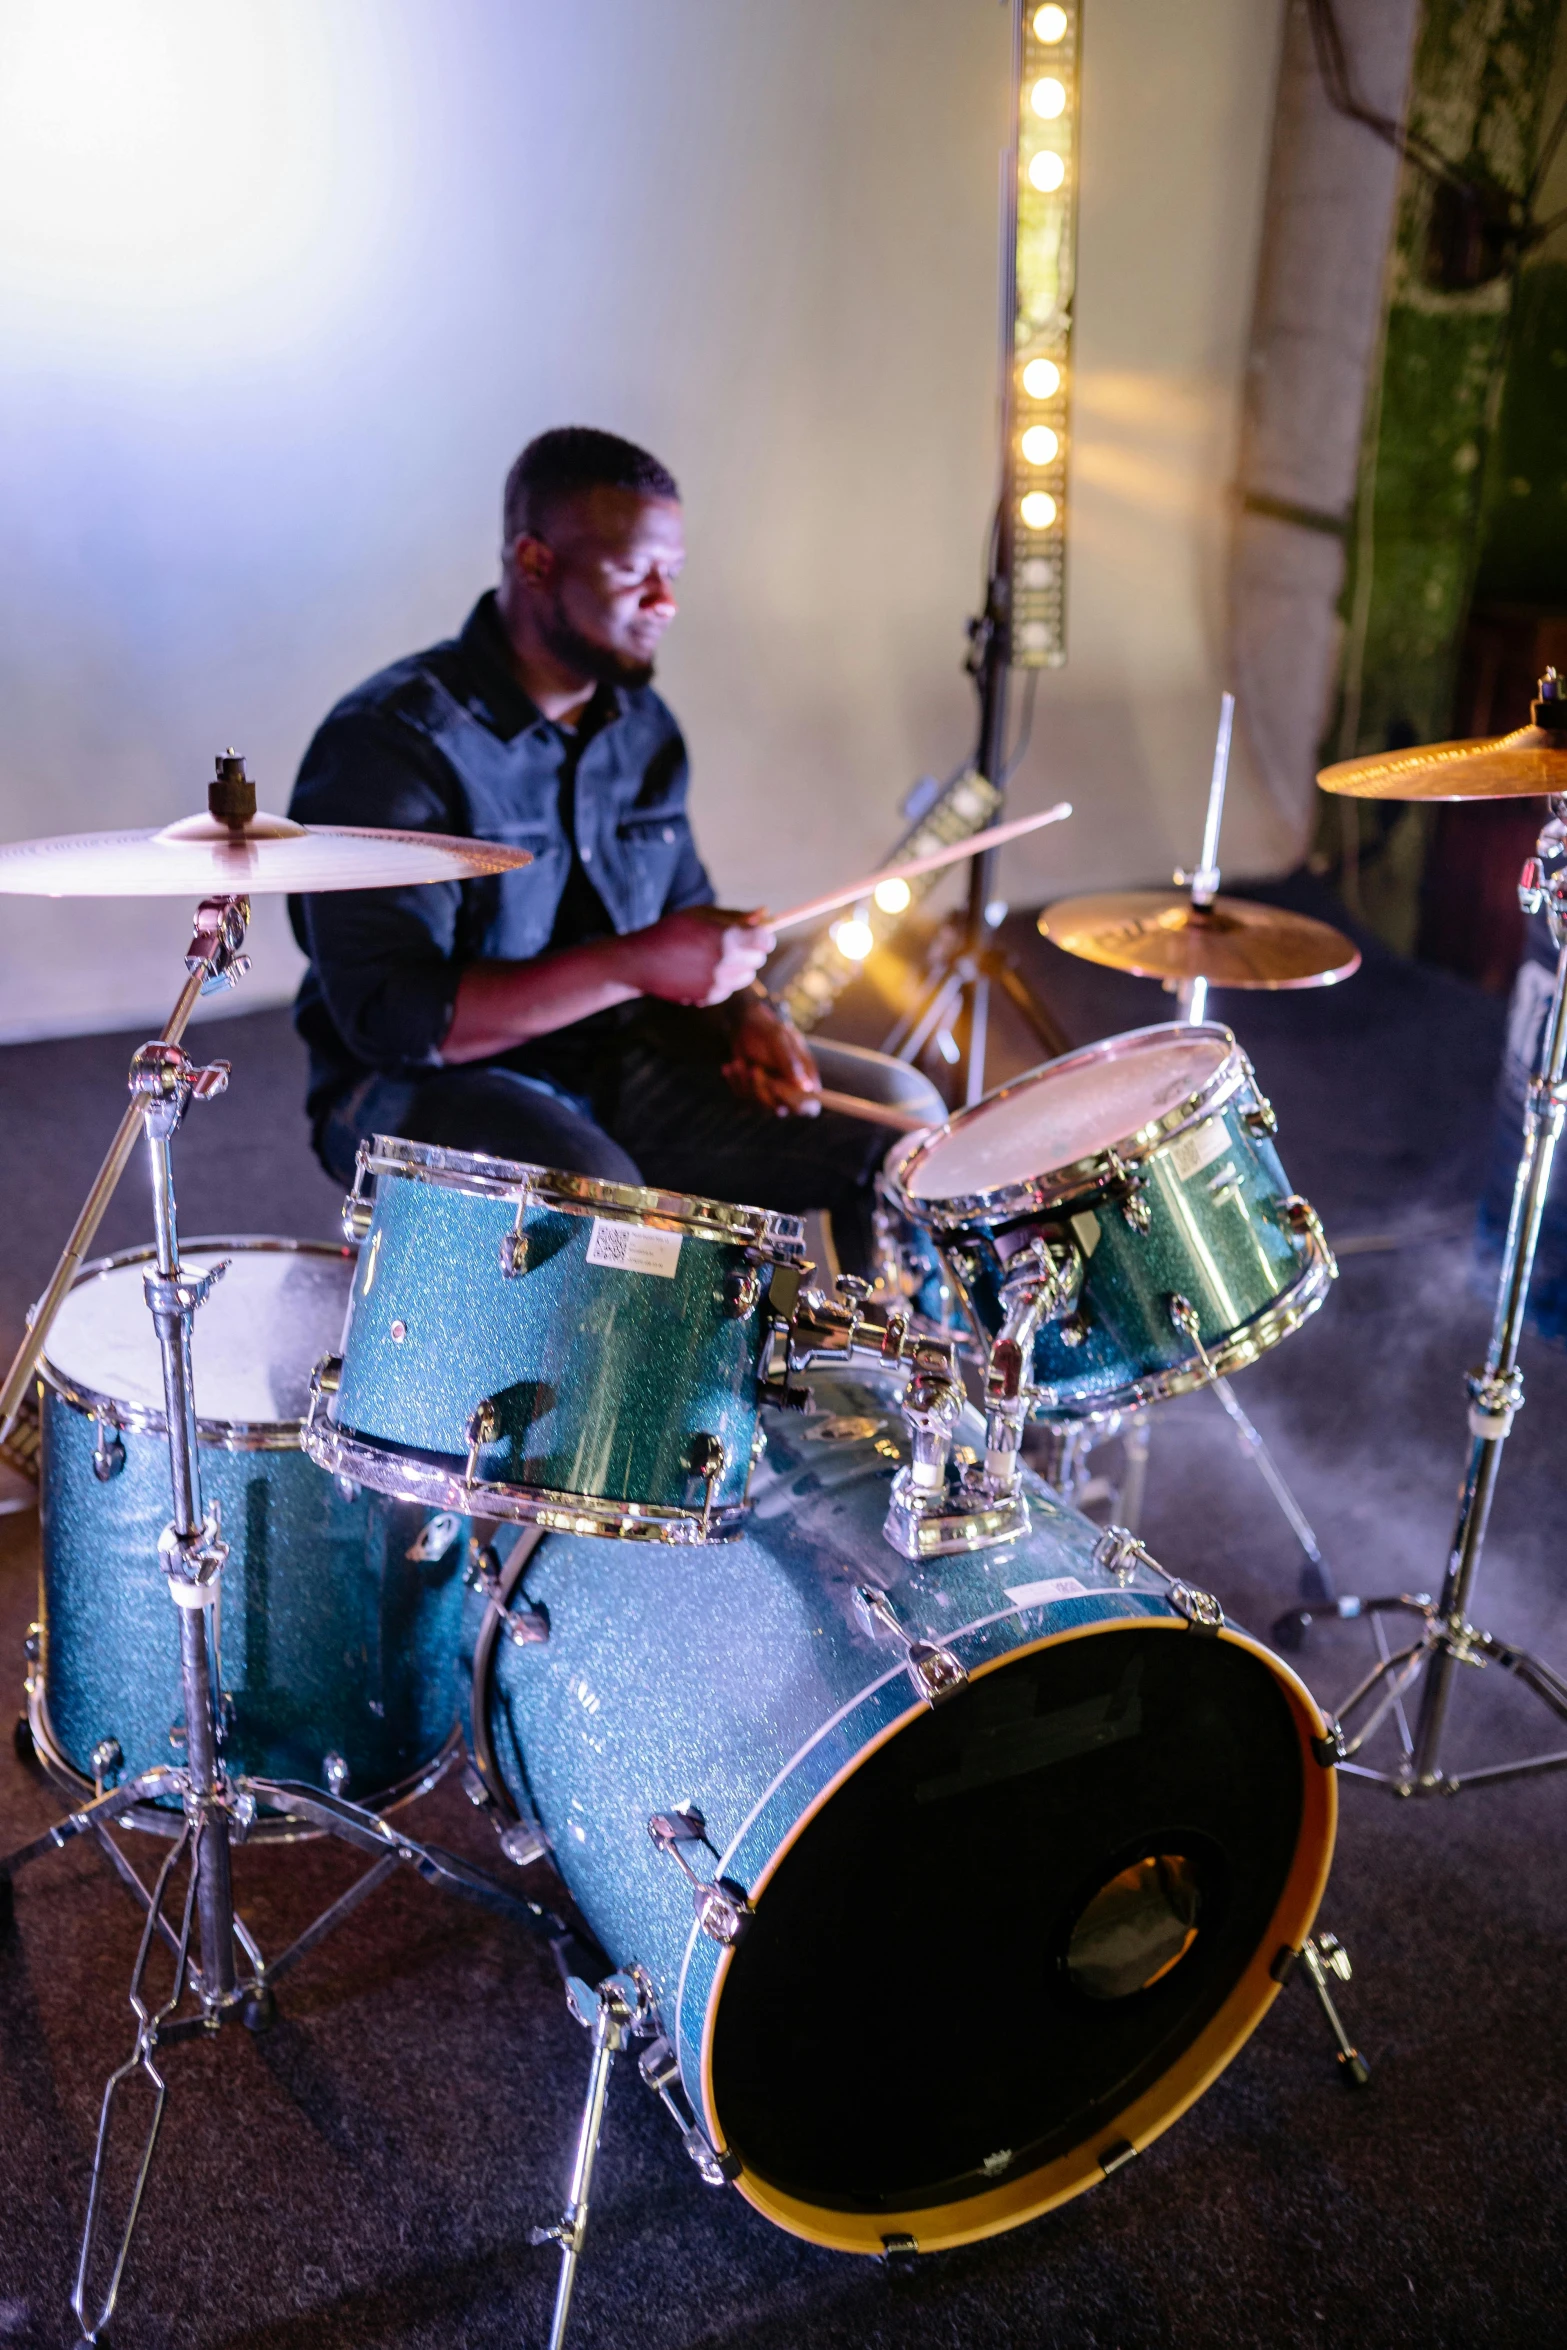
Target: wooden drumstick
x=855, y=1105
x=911, y=868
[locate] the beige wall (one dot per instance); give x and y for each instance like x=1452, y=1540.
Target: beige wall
x=248, y=455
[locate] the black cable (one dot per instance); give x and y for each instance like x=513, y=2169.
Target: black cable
x=1020, y=747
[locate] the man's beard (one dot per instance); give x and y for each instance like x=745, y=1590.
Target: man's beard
x=600, y=662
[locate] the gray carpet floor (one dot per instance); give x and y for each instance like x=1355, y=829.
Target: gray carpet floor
x=367, y=2173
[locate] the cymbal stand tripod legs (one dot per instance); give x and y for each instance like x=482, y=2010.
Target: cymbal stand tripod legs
x=217, y=1809
x=1448, y=1639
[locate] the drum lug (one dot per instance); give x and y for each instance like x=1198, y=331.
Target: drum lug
x=1261, y=1120
x=707, y=1459
x=358, y=1208
x=478, y=1431
x=522, y=1625
x=1128, y=1187
x=723, y=1908
x=108, y=1457
x=1119, y=1553
x=660, y=2069
x=326, y=1378
x=1303, y=1220
x=934, y=1671
x=1200, y=1608
x=742, y=1291
x=107, y=1760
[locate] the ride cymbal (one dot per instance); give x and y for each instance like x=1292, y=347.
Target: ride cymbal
x=202, y=856
x=1160, y=934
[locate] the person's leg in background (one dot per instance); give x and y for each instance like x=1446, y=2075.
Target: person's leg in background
x=496, y=1111
x=689, y=1133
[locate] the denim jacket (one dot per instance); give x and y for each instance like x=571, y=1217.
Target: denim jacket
x=448, y=741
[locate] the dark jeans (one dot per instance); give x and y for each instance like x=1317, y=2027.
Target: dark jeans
x=648, y=1119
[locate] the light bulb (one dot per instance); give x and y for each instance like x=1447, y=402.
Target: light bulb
x=893, y=896
x=1039, y=444
x=1048, y=97
x=853, y=939
x=1041, y=379
x=1047, y=172
x=1038, y=510
x=1050, y=25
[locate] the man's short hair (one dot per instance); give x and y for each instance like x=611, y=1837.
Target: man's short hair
x=572, y=458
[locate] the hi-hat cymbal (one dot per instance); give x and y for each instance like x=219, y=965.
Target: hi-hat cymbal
x=203, y=857
x=1527, y=764
x=1160, y=934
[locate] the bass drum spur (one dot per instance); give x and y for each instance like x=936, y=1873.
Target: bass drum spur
x=954, y=1883
x=340, y=1611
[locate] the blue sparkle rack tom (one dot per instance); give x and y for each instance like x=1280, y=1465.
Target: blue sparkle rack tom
x=533, y=1344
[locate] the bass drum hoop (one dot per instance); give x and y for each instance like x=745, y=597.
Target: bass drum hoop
x=939, y=2227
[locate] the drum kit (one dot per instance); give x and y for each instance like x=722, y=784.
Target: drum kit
x=869, y=1699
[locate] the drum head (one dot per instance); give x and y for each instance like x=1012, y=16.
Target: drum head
x=1016, y=1935
x=1068, y=1113
x=265, y=1324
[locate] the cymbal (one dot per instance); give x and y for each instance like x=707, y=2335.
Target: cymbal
x=1160, y=934
x=1526, y=764
x=203, y=857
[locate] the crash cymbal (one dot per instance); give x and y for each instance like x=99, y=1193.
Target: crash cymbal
x=1527, y=764
x=1524, y=765
x=1160, y=934
x=203, y=857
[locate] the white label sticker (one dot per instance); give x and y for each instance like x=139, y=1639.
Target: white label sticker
x=633, y=1248
x=1190, y=1153
x=1042, y=1594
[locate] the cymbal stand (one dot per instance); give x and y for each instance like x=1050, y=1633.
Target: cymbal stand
x=1447, y=1639
x=1192, y=997
x=218, y=1810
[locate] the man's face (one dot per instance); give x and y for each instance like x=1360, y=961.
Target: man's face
x=602, y=581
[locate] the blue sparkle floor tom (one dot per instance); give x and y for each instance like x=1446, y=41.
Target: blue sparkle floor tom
x=340, y=1610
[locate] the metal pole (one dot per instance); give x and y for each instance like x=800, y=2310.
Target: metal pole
x=1496, y=1391
x=23, y=1364
x=1192, y=994
x=172, y=1319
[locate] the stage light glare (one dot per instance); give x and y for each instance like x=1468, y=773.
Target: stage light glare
x=1048, y=97
x=1040, y=444
x=1041, y=379
x=894, y=897
x=853, y=939
x=1038, y=510
x=1050, y=25
x=1047, y=172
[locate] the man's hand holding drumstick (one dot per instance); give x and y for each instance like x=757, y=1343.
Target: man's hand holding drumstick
x=702, y=956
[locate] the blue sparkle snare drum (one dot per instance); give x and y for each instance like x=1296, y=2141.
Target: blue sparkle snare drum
x=340, y=1612
x=1144, y=1168
x=954, y=1883
x=538, y=1345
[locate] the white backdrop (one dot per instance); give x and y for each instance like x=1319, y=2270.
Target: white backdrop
x=284, y=284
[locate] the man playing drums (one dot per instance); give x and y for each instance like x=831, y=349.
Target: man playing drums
x=592, y=1011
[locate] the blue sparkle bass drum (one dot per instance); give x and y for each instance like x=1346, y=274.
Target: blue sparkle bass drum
x=953, y=1882
x=340, y=1612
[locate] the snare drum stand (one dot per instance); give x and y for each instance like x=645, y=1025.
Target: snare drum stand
x=1448, y=1639
x=218, y=1811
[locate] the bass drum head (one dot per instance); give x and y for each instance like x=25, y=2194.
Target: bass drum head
x=1017, y=1940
